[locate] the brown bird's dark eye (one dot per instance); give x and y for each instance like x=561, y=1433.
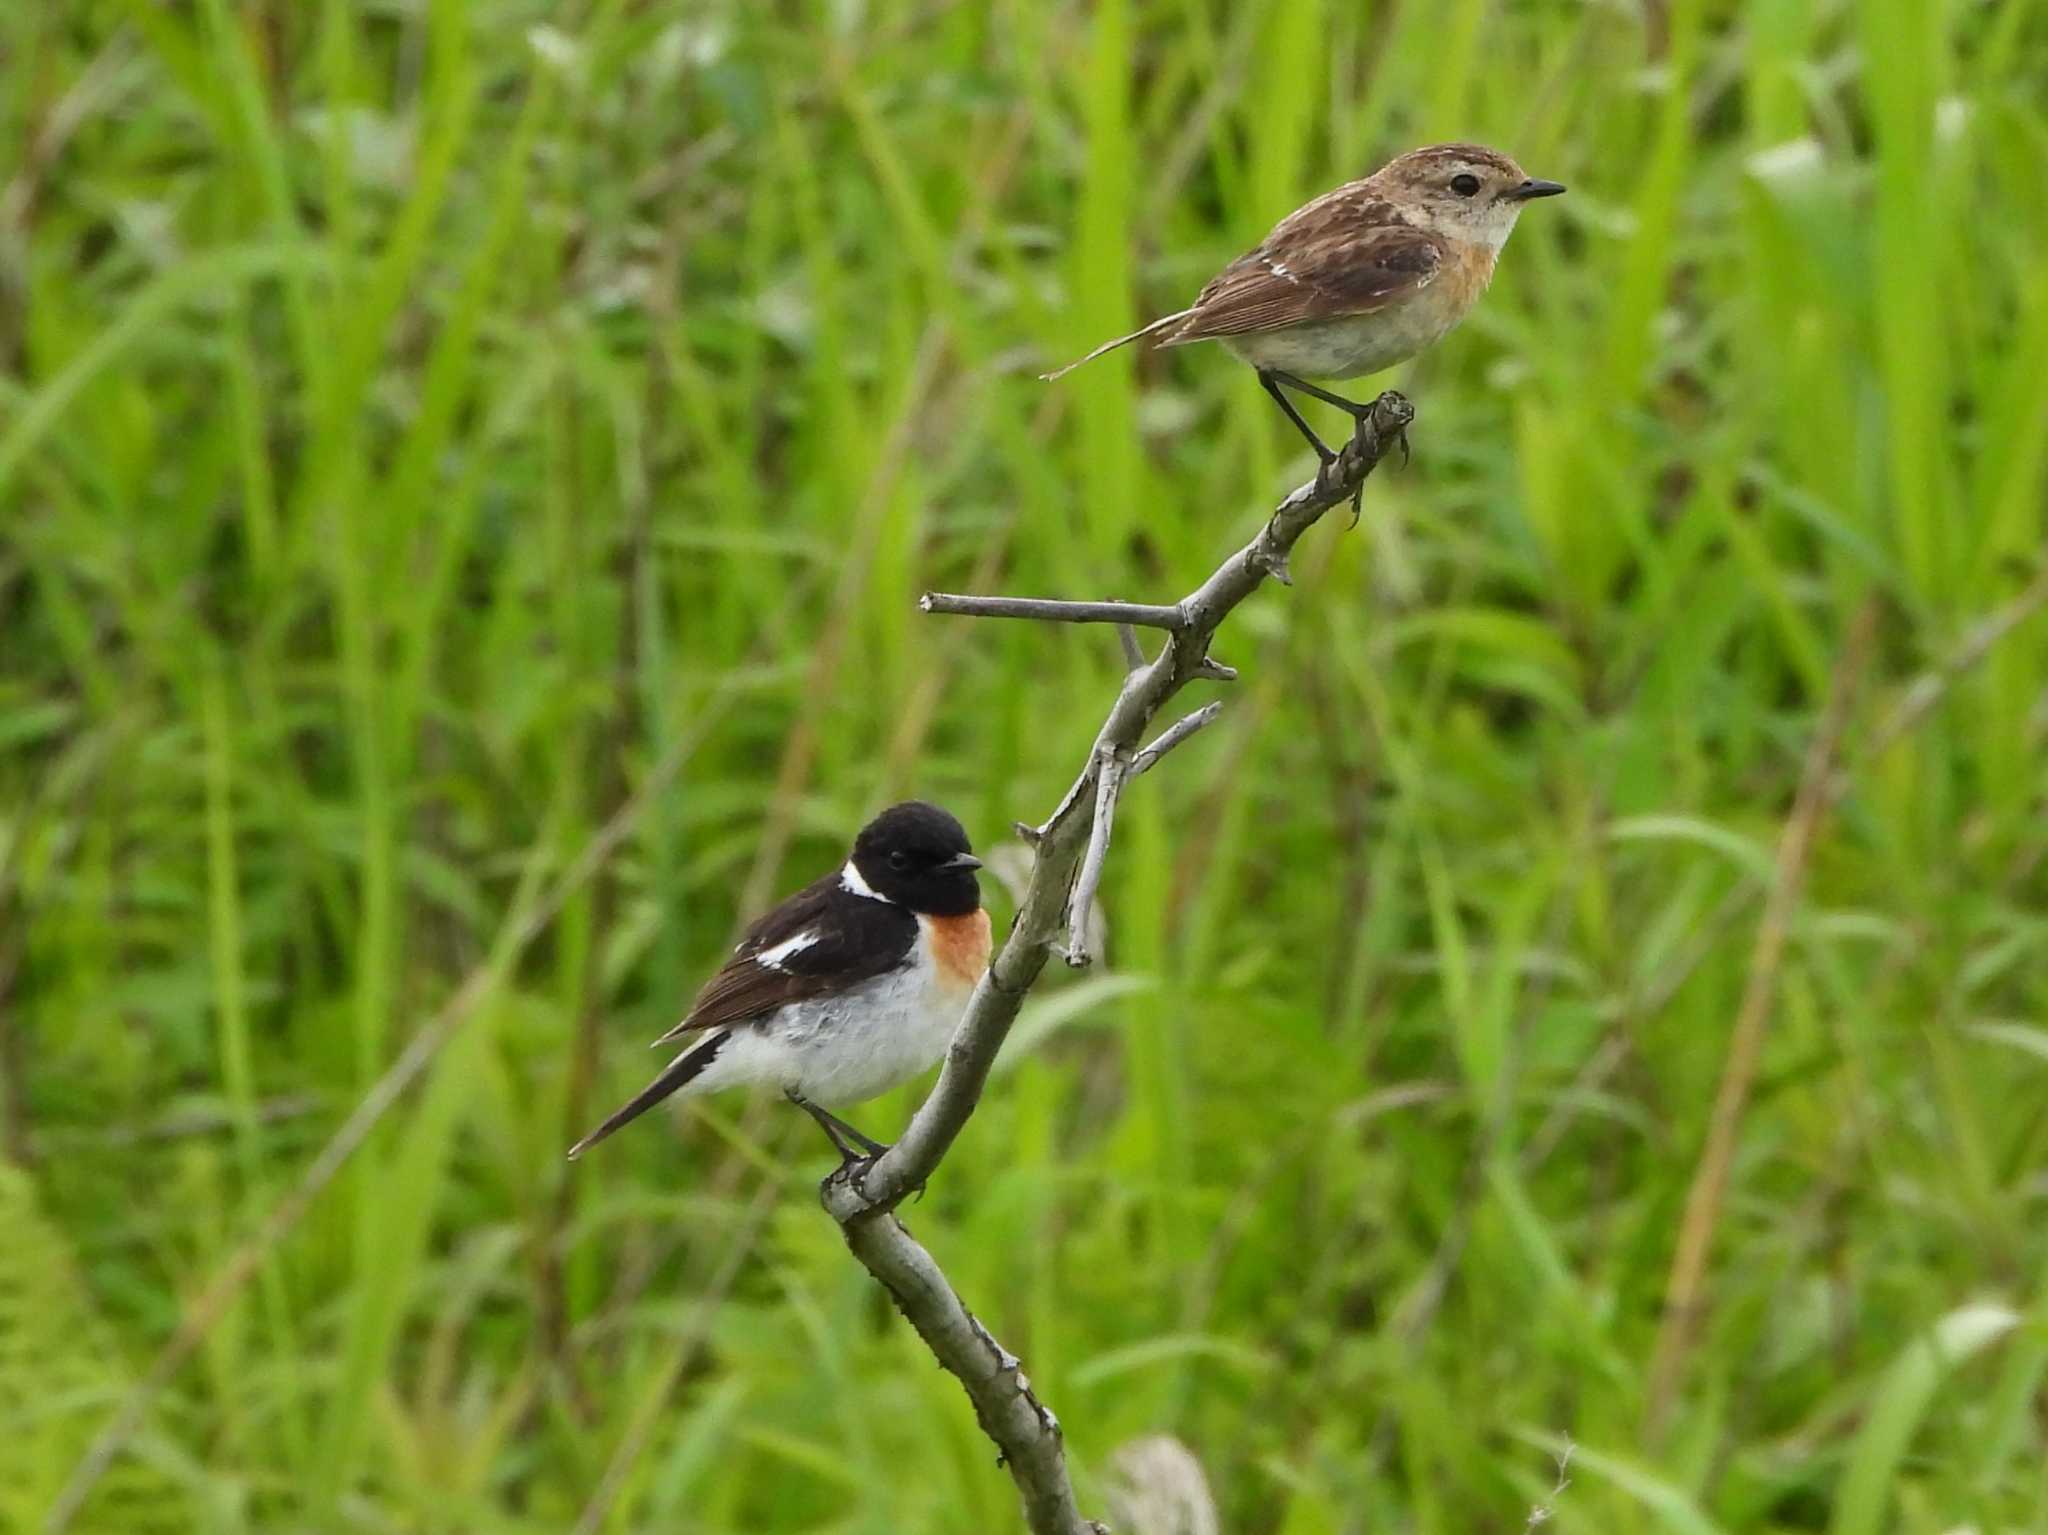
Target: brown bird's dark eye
x=1465, y=185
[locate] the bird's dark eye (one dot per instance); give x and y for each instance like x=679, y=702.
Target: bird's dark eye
x=1465, y=184
x=899, y=860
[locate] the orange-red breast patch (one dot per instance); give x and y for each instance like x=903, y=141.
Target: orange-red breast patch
x=959, y=946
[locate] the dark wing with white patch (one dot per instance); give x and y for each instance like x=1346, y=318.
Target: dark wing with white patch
x=1343, y=254
x=821, y=940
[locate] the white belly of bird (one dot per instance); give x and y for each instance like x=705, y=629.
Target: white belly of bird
x=1350, y=347
x=846, y=1048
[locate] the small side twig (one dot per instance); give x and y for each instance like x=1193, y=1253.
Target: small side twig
x=1173, y=735
x=1109, y=787
x=1145, y=615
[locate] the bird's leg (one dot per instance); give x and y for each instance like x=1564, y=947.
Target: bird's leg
x=851, y=1144
x=1269, y=380
x=1351, y=408
x=1360, y=414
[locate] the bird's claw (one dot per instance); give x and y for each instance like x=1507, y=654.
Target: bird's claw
x=1393, y=406
x=852, y=1171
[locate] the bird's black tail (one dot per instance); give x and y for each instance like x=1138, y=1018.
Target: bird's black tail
x=684, y=1068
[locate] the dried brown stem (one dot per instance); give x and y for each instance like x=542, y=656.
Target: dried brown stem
x=1920, y=699
x=1745, y=1044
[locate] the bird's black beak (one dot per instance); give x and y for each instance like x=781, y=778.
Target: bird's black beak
x=1534, y=188
x=962, y=861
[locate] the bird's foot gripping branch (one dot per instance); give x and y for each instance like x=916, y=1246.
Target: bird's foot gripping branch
x=1072, y=846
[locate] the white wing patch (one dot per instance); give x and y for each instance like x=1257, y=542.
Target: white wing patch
x=773, y=958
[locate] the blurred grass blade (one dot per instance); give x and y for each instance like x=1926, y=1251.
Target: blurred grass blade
x=1899, y=1403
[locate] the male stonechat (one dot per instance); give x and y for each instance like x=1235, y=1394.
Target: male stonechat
x=1361, y=278
x=852, y=985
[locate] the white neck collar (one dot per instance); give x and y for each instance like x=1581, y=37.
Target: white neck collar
x=849, y=879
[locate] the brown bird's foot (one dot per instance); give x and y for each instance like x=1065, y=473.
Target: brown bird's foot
x=1400, y=436
x=851, y=1144
x=1271, y=382
x=1391, y=414
x=1366, y=435
x=1362, y=421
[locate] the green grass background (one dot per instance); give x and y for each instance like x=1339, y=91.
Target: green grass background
x=419, y=420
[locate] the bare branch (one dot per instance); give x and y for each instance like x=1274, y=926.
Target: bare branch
x=1015, y=968
x=1173, y=735
x=863, y=1198
x=1134, y=653
x=1009, y=1411
x=1148, y=615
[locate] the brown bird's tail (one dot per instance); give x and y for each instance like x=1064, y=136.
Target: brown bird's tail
x=1110, y=346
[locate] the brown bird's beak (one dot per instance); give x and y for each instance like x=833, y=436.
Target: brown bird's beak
x=961, y=861
x=1534, y=188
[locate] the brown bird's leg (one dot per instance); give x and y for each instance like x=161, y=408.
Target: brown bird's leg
x=1359, y=414
x=1269, y=380
x=1351, y=408
x=850, y=1143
